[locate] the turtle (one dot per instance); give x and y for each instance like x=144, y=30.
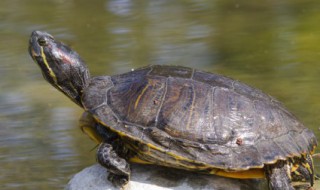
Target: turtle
x=180, y=117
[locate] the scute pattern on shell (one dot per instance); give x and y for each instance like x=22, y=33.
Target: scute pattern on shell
x=195, y=116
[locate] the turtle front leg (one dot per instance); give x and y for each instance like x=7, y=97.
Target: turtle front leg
x=278, y=176
x=118, y=167
x=111, y=151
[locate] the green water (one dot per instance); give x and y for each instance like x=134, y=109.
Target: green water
x=271, y=45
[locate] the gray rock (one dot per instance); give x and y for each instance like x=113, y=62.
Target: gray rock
x=159, y=178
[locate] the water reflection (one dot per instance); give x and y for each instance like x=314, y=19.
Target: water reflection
x=119, y=8
x=272, y=46
x=36, y=142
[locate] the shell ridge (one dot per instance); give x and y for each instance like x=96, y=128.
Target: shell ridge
x=161, y=103
x=151, y=69
x=88, y=92
x=192, y=73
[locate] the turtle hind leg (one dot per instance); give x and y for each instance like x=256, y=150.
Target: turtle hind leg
x=278, y=176
x=118, y=167
x=303, y=169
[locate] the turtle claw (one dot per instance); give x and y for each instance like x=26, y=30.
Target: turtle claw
x=119, y=168
x=118, y=180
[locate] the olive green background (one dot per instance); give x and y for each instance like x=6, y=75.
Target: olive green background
x=270, y=45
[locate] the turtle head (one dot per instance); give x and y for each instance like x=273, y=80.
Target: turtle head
x=60, y=65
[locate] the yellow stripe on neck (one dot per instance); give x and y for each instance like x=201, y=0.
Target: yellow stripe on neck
x=51, y=73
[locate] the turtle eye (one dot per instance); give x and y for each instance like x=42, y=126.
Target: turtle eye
x=42, y=42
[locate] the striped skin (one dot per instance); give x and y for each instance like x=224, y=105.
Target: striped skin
x=61, y=66
x=184, y=118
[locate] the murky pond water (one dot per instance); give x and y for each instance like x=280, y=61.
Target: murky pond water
x=273, y=46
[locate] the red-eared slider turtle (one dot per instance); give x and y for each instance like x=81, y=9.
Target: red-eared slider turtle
x=181, y=118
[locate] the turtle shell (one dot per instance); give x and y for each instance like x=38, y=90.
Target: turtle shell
x=186, y=118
